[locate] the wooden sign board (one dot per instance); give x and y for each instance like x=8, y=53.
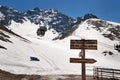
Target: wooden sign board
x=79, y=60
x=84, y=41
x=83, y=44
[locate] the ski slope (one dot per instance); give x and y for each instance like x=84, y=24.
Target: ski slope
x=53, y=55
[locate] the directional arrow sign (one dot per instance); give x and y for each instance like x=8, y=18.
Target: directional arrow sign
x=79, y=60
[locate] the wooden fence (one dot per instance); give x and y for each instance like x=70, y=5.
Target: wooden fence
x=106, y=74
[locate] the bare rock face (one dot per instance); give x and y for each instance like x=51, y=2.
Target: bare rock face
x=109, y=30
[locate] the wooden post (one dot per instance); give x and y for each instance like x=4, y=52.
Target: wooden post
x=83, y=67
x=97, y=74
x=83, y=64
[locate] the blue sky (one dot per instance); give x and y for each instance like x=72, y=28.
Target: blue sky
x=104, y=9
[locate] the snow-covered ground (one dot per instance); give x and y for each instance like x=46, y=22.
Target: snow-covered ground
x=53, y=55
x=30, y=29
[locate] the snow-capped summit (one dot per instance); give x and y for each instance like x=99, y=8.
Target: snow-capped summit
x=52, y=19
x=10, y=14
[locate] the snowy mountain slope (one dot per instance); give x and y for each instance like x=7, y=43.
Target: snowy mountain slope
x=30, y=29
x=82, y=32
x=16, y=57
x=15, y=51
x=54, y=55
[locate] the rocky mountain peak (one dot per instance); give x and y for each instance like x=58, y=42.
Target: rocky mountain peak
x=85, y=17
x=89, y=15
x=36, y=9
x=9, y=15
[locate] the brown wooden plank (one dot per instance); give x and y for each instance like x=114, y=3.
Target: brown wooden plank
x=79, y=60
x=86, y=44
x=79, y=46
x=83, y=41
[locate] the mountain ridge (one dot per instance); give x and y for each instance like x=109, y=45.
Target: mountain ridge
x=57, y=22
x=50, y=16
x=53, y=19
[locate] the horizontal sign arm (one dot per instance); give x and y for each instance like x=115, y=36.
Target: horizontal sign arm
x=79, y=60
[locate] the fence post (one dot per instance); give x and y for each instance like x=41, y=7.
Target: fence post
x=97, y=74
x=113, y=73
x=94, y=73
x=101, y=74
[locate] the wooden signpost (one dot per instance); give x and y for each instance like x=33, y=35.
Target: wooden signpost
x=83, y=44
